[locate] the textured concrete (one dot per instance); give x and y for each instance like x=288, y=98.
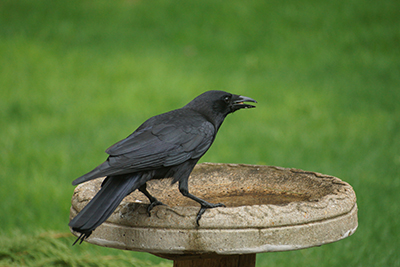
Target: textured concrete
x=268, y=209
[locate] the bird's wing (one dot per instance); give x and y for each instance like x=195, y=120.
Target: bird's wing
x=165, y=140
x=170, y=142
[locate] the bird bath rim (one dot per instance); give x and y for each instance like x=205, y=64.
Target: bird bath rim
x=314, y=209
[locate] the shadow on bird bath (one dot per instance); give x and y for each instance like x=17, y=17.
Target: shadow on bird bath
x=267, y=209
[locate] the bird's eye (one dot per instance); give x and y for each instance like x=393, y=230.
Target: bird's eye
x=227, y=99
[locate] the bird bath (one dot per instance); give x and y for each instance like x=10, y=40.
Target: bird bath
x=267, y=209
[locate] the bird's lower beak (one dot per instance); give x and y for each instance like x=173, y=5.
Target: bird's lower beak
x=238, y=102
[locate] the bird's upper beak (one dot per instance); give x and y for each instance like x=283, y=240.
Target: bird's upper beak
x=238, y=102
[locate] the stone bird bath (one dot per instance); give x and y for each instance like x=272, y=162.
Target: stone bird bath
x=267, y=209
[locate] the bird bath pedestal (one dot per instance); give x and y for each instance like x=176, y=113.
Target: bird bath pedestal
x=267, y=209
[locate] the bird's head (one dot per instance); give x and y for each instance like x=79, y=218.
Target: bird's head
x=218, y=104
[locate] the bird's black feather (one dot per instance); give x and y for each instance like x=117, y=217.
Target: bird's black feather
x=166, y=145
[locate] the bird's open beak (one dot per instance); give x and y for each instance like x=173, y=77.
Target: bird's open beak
x=238, y=102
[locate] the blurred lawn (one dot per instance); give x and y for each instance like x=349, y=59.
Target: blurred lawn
x=77, y=76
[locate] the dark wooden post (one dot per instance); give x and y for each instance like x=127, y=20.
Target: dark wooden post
x=245, y=260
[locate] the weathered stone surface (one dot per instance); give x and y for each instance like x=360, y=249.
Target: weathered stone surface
x=268, y=209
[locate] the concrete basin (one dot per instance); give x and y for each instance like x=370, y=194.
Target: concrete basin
x=267, y=209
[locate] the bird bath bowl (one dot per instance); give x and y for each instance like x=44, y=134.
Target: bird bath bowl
x=267, y=209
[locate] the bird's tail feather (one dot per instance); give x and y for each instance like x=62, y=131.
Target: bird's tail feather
x=103, y=204
x=99, y=171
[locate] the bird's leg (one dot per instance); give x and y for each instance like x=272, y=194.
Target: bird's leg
x=153, y=201
x=184, y=189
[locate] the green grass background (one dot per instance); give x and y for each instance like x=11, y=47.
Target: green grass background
x=77, y=76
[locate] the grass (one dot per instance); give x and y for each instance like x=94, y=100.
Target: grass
x=54, y=249
x=77, y=76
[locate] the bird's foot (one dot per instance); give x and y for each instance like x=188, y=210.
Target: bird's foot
x=204, y=208
x=153, y=204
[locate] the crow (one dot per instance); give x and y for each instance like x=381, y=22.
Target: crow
x=165, y=146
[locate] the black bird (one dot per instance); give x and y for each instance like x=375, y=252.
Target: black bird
x=166, y=145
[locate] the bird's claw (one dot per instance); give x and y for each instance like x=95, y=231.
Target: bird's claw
x=153, y=204
x=204, y=208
